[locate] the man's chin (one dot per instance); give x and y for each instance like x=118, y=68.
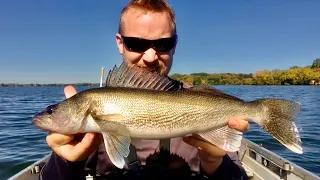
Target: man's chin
x=160, y=71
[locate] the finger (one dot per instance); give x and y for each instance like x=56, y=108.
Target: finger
x=90, y=140
x=56, y=139
x=79, y=149
x=204, y=146
x=84, y=148
x=195, y=142
x=239, y=124
x=69, y=91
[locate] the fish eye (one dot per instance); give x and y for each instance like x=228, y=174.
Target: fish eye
x=50, y=109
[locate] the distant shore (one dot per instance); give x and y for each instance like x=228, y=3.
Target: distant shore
x=308, y=75
x=97, y=85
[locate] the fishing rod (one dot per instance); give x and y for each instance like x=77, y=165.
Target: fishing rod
x=101, y=76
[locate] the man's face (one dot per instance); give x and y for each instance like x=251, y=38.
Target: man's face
x=151, y=26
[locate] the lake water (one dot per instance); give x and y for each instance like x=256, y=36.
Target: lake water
x=21, y=143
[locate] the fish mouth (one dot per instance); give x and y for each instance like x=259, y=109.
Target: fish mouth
x=36, y=120
x=40, y=122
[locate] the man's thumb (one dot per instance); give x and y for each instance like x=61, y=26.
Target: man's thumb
x=69, y=91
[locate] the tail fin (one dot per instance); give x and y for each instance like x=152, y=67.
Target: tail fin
x=279, y=122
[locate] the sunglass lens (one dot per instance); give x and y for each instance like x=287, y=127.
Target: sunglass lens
x=136, y=44
x=163, y=45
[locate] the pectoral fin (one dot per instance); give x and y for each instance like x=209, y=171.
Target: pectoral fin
x=117, y=147
x=116, y=137
x=225, y=138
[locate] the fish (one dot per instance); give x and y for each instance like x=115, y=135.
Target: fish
x=138, y=104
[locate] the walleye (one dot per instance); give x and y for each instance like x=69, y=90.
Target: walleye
x=138, y=104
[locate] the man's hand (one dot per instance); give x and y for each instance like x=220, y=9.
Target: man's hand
x=73, y=147
x=211, y=156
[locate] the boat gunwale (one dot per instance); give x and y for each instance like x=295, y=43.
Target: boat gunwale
x=29, y=168
x=281, y=162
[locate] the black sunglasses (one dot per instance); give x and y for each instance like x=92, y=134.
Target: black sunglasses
x=141, y=45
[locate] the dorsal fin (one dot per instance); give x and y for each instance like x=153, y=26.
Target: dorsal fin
x=138, y=77
x=213, y=91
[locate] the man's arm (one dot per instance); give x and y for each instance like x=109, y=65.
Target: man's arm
x=59, y=168
x=229, y=168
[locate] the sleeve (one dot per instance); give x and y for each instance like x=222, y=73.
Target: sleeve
x=59, y=168
x=230, y=168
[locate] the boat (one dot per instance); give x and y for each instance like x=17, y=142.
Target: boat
x=258, y=162
x=262, y=164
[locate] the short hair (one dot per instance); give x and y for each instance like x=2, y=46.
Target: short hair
x=149, y=5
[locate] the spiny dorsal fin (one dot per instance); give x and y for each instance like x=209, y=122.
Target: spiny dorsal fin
x=213, y=91
x=137, y=77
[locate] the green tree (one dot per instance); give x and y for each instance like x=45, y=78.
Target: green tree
x=316, y=63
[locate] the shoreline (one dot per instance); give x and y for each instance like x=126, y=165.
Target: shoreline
x=50, y=84
x=98, y=84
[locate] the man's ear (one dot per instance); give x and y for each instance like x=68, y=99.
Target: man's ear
x=119, y=43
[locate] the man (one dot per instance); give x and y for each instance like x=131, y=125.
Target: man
x=151, y=20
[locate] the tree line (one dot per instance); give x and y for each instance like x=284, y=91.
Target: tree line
x=292, y=76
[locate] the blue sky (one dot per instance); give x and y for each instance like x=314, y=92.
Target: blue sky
x=69, y=41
